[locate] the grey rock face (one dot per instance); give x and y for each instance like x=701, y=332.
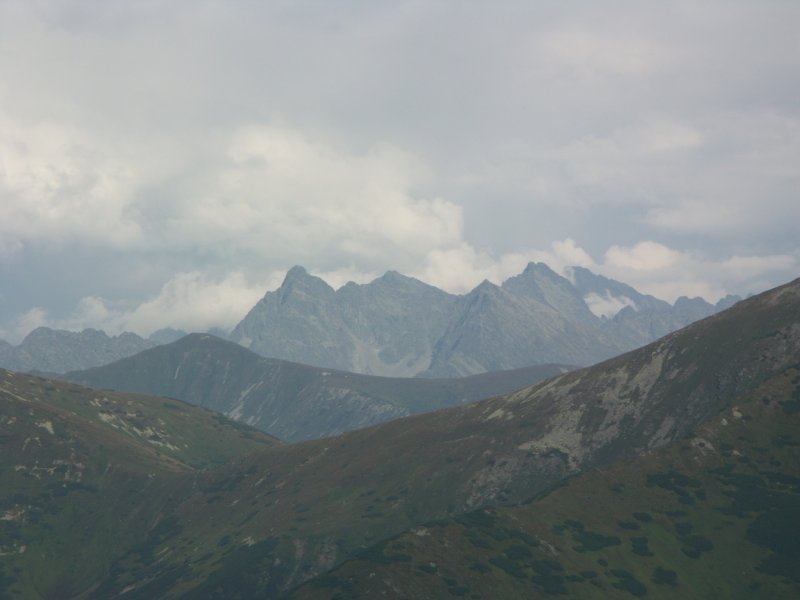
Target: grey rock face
x=398, y=326
x=58, y=351
x=387, y=327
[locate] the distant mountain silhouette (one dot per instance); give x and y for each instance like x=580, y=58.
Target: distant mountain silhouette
x=399, y=326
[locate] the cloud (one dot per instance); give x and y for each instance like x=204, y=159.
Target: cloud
x=195, y=301
x=191, y=301
x=666, y=273
x=57, y=183
x=591, y=53
x=24, y=324
x=644, y=256
x=143, y=141
x=607, y=305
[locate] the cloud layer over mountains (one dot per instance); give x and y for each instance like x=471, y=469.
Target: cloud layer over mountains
x=166, y=163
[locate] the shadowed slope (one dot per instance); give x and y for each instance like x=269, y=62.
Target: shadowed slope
x=291, y=401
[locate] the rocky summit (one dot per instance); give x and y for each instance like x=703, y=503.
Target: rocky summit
x=398, y=326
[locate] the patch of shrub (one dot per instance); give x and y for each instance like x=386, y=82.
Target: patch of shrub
x=639, y=546
x=509, y=566
x=683, y=528
x=627, y=582
x=663, y=576
x=547, y=565
x=590, y=541
x=517, y=551
x=479, y=567
x=550, y=585
x=478, y=518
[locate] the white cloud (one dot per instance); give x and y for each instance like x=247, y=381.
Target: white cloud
x=607, y=305
x=191, y=301
x=195, y=301
x=282, y=187
x=58, y=183
x=24, y=324
x=592, y=53
x=353, y=138
x=666, y=273
x=567, y=253
x=644, y=256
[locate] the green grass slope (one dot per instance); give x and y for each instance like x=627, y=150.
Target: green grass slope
x=86, y=476
x=715, y=515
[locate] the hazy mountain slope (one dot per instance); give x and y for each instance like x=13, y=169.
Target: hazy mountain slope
x=399, y=326
x=386, y=327
x=637, y=317
x=541, y=283
x=84, y=477
x=492, y=328
x=58, y=351
x=274, y=519
x=396, y=320
x=714, y=515
x=289, y=400
x=166, y=335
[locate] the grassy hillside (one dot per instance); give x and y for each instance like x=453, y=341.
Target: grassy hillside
x=86, y=476
x=716, y=515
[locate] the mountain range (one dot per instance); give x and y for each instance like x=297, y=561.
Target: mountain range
x=399, y=326
x=668, y=471
x=58, y=351
x=291, y=401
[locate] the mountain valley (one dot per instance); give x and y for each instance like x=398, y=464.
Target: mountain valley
x=523, y=493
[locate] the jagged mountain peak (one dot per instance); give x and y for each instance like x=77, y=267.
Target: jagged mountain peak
x=59, y=351
x=396, y=278
x=399, y=326
x=43, y=332
x=540, y=268
x=297, y=276
x=296, y=272
x=485, y=287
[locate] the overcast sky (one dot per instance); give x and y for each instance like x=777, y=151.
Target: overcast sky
x=165, y=162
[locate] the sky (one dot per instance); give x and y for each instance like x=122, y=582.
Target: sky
x=163, y=163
